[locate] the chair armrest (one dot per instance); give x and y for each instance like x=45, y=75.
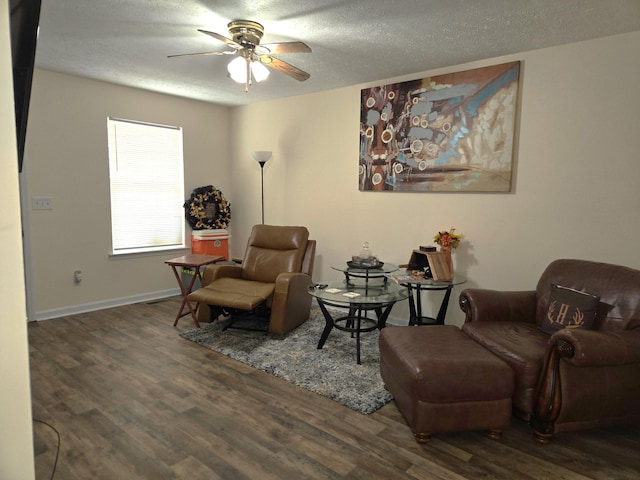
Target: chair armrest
x=215, y=271
x=291, y=302
x=578, y=348
x=292, y=282
x=599, y=348
x=480, y=304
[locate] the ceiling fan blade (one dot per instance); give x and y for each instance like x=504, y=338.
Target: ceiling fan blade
x=287, y=47
x=226, y=52
x=222, y=38
x=284, y=67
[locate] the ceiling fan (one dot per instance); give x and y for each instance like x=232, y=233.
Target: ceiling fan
x=251, y=57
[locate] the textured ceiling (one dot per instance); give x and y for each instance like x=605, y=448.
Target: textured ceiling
x=353, y=42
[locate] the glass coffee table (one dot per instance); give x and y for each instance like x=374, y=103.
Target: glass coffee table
x=357, y=297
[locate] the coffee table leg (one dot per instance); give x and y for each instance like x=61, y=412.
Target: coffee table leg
x=328, y=325
x=413, y=316
x=443, y=306
x=382, y=315
x=418, y=305
x=350, y=318
x=359, y=320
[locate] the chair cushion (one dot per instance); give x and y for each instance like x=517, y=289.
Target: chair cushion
x=233, y=293
x=569, y=308
x=521, y=345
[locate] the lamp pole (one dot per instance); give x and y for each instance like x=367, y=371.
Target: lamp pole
x=262, y=157
x=262, y=185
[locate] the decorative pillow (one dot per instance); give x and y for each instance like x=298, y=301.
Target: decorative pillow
x=569, y=308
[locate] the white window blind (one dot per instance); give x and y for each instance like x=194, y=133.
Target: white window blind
x=147, y=186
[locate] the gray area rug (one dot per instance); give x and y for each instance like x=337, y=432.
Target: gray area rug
x=331, y=371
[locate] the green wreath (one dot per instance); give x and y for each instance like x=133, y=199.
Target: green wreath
x=207, y=209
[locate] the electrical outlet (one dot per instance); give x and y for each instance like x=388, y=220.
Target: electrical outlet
x=77, y=276
x=42, y=203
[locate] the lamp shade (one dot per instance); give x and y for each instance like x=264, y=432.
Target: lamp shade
x=237, y=69
x=259, y=71
x=261, y=156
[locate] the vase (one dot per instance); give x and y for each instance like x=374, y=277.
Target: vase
x=446, y=250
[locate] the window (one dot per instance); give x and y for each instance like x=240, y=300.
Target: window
x=147, y=186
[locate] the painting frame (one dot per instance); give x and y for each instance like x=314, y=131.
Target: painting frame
x=452, y=132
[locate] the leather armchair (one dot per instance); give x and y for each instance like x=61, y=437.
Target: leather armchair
x=274, y=276
x=575, y=378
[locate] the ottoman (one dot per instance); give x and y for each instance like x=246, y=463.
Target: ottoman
x=443, y=381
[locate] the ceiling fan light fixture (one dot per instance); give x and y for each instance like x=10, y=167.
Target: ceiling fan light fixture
x=237, y=69
x=251, y=57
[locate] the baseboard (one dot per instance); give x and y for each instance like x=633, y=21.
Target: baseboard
x=115, y=302
x=145, y=297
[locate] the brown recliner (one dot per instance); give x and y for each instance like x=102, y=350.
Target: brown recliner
x=574, y=378
x=274, y=275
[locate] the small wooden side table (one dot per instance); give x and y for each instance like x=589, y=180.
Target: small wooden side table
x=195, y=262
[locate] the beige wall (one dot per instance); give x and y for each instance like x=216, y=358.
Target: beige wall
x=575, y=188
x=575, y=183
x=16, y=440
x=67, y=159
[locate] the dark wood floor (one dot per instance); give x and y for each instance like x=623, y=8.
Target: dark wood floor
x=132, y=400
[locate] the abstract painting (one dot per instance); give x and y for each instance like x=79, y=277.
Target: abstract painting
x=446, y=133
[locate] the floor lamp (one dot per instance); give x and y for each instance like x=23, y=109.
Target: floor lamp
x=262, y=157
